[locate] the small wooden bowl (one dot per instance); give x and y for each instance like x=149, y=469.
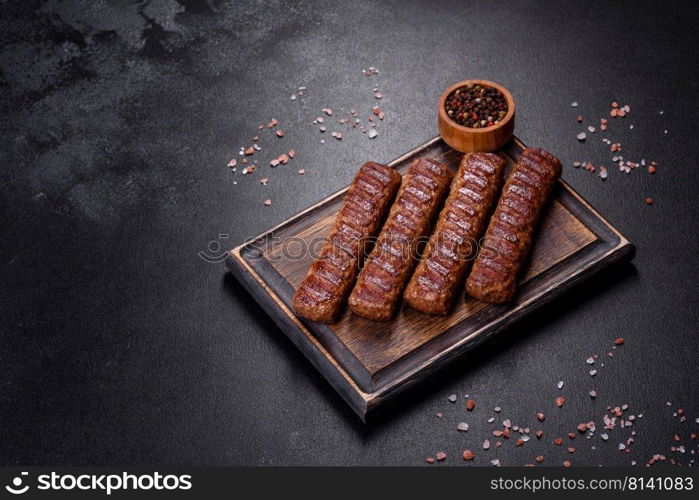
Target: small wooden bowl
x=467, y=139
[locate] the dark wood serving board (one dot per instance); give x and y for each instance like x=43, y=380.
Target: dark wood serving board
x=370, y=362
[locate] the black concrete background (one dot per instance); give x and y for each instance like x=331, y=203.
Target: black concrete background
x=119, y=345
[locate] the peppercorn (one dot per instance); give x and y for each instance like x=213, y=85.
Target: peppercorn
x=476, y=106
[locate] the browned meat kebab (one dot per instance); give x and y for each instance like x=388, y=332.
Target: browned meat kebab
x=381, y=281
x=324, y=289
x=454, y=242
x=510, y=233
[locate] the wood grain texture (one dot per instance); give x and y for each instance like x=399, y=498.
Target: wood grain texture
x=370, y=362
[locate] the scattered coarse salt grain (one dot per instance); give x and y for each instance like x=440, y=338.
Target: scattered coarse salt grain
x=593, y=373
x=590, y=360
x=591, y=129
x=429, y=460
x=273, y=123
x=232, y=163
x=593, y=394
x=541, y=417
x=327, y=111
x=274, y=162
x=574, y=104
x=302, y=171
x=264, y=181
x=462, y=426
x=293, y=97
x=560, y=384
x=378, y=95
x=495, y=463
x=441, y=456
x=582, y=136
x=291, y=153
x=560, y=401
x=268, y=202
x=372, y=133
x=603, y=172
x=336, y=135
x=452, y=398
x=280, y=133
x=486, y=444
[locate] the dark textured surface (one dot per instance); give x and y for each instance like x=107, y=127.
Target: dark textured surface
x=119, y=345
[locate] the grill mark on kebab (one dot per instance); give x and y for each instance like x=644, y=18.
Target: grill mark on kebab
x=509, y=237
x=447, y=258
x=323, y=291
x=380, y=283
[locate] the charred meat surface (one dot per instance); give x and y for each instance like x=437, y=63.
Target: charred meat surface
x=510, y=233
x=380, y=283
x=322, y=293
x=454, y=242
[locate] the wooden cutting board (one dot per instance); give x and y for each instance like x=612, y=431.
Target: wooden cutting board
x=369, y=362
